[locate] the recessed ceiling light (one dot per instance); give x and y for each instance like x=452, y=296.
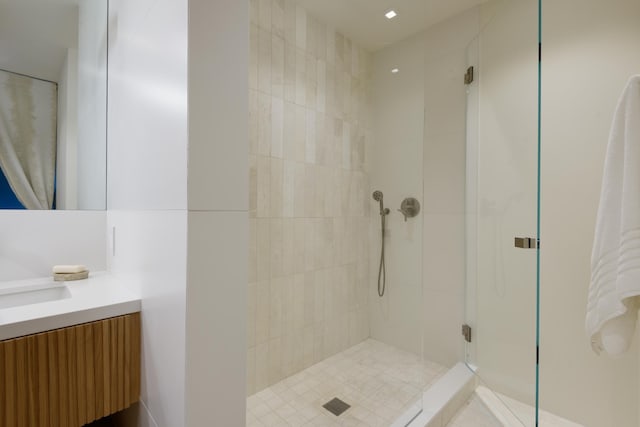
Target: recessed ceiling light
x=391, y=14
x=395, y=70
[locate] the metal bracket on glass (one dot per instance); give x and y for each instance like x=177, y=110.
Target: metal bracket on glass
x=468, y=76
x=466, y=332
x=526, y=242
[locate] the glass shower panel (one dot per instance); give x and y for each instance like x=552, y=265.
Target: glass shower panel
x=502, y=204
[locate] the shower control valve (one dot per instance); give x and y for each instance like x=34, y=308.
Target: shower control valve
x=410, y=207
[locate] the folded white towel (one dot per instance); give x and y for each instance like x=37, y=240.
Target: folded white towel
x=615, y=261
x=57, y=269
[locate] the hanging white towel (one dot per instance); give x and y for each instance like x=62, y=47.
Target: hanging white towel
x=615, y=261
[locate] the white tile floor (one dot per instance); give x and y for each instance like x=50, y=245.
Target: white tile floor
x=377, y=380
x=474, y=414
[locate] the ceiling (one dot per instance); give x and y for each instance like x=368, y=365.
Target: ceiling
x=364, y=22
x=35, y=35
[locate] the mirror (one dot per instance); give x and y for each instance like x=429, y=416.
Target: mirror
x=53, y=99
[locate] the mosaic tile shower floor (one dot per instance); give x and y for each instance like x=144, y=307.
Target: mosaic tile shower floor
x=379, y=382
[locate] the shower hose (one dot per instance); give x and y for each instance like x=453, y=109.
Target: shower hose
x=382, y=269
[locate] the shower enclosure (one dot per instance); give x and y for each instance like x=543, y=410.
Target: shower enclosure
x=361, y=112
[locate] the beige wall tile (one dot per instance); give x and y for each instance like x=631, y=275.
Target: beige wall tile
x=301, y=133
x=253, y=122
x=289, y=132
x=251, y=371
x=310, y=138
x=263, y=186
x=312, y=81
x=288, y=246
x=290, y=21
x=275, y=307
x=275, y=359
x=309, y=292
x=253, y=250
x=288, y=189
x=308, y=250
x=288, y=324
x=277, y=17
x=276, y=249
x=262, y=312
x=253, y=185
x=330, y=43
x=298, y=302
x=264, y=14
x=253, y=12
x=321, y=84
x=253, y=56
x=311, y=46
x=277, y=65
x=301, y=76
x=264, y=60
x=289, y=72
x=262, y=366
x=347, y=55
x=251, y=315
x=301, y=27
x=287, y=355
x=299, y=233
x=321, y=140
x=263, y=251
x=277, y=127
x=264, y=124
x=321, y=40
x=276, y=188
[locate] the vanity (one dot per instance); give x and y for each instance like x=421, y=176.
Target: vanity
x=71, y=358
x=69, y=352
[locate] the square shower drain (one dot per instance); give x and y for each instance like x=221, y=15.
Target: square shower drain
x=336, y=406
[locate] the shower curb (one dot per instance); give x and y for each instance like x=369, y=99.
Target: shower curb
x=442, y=400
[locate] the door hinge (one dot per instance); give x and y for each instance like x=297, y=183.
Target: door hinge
x=468, y=76
x=466, y=332
x=526, y=242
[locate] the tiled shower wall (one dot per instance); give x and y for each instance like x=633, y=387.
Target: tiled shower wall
x=309, y=207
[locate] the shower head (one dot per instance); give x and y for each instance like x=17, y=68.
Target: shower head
x=377, y=196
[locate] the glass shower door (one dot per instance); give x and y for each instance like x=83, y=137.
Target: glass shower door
x=502, y=207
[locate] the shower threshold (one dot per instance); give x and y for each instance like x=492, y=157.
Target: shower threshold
x=378, y=382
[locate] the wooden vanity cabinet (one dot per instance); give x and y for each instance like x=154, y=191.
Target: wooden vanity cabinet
x=71, y=376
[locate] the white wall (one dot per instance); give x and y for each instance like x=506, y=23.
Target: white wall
x=419, y=119
x=147, y=173
x=67, y=143
x=216, y=298
x=187, y=261
x=92, y=99
x=31, y=242
x=589, y=52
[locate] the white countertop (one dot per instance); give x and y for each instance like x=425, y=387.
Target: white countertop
x=100, y=296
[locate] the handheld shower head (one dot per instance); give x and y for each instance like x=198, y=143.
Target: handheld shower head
x=377, y=196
